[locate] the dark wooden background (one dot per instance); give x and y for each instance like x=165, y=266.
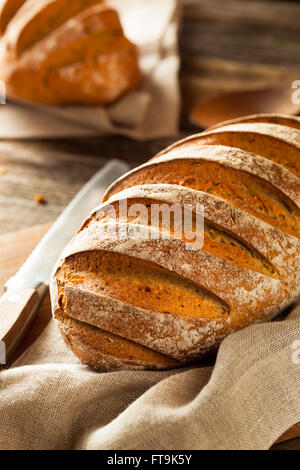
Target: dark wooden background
x=224, y=45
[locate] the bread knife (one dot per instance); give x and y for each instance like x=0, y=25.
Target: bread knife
x=25, y=291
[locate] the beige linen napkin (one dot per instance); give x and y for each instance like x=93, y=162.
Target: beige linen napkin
x=48, y=400
x=152, y=111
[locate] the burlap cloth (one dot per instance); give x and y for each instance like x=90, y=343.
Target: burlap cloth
x=48, y=400
x=151, y=111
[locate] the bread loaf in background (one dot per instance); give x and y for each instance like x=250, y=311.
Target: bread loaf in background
x=152, y=304
x=60, y=52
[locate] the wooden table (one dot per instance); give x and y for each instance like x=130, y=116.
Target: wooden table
x=40, y=167
x=57, y=169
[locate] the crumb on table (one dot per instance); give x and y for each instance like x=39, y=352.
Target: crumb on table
x=2, y=170
x=40, y=199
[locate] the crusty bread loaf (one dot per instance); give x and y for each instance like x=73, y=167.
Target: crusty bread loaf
x=129, y=302
x=59, y=52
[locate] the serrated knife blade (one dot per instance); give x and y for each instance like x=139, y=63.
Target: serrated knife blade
x=22, y=298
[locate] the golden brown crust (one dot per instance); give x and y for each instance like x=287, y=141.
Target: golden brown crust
x=240, y=188
x=37, y=19
x=59, y=52
x=8, y=9
x=173, y=301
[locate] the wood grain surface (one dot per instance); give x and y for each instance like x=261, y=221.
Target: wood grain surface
x=14, y=249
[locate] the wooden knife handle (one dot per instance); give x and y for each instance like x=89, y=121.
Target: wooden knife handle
x=17, y=308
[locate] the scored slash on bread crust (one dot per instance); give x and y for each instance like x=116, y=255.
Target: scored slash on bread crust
x=59, y=52
x=106, y=352
x=110, y=293
x=233, y=182
x=276, y=142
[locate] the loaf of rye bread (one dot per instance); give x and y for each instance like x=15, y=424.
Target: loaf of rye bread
x=58, y=52
x=134, y=303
